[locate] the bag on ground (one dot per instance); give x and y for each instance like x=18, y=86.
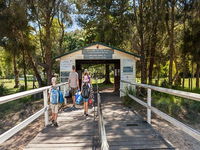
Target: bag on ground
x=85, y=91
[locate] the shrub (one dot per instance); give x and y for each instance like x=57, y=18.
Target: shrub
x=3, y=90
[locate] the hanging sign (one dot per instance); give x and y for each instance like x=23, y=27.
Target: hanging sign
x=97, y=53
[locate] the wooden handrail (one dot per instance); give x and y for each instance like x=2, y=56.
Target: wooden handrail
x=8, y=98
x=192, y=132
x=6, y=135
x=102, y=131
x=188, y=95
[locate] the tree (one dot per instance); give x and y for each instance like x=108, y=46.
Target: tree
x=44, y=13
x=105, y=21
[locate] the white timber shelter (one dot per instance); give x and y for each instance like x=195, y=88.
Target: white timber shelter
x=100, y=53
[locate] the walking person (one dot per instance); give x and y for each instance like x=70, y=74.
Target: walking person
x=54, y=101
x=73, y=83
x=85, y=92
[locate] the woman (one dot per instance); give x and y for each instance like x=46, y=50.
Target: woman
x=86, y=90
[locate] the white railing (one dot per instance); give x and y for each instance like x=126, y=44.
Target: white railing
x=193, y=96
x=6, y=135
x=102, y=131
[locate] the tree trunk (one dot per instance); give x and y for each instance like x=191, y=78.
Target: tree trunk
x=24, y=70
x=107, y=77
x=192, y=75
x=143, y=54
x=48, y=53
x=16, y=72
x=170, y=29
x=152, y=58
x=34, y=67
x=197, y=75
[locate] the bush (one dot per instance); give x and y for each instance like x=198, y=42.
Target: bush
x=3, y=90
x=21, y=88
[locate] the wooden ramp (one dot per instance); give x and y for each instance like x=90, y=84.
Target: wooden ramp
x=126, y=130
x=75, y=132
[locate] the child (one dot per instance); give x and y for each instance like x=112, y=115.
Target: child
x=86, y=84
x=54, y=100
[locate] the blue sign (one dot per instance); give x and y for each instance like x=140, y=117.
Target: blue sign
x=128, y=69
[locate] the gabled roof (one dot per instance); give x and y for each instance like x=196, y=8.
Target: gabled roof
x=121, y=50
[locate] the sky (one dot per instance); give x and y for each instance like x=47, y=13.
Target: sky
x=75, y=25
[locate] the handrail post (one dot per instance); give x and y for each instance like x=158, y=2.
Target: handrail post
x=149, y=105
x=46, y=113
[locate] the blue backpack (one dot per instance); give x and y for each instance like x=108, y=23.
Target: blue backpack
x=61, y=98
x=54, y=96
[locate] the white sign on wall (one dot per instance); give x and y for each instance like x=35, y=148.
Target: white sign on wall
x=66, y=65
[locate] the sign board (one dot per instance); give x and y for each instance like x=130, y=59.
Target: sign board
x=127, y=66
x=66, y=65
x=128, y=69
x=97, y=53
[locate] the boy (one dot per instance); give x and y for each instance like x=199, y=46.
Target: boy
x=54, y=100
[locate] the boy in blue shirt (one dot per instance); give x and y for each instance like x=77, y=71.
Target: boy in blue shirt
x=54, y=100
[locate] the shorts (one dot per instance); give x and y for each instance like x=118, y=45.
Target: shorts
x=54, y=108
x=73, y=91
x=85, y=99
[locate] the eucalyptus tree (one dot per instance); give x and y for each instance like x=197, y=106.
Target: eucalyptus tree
x=43, y=13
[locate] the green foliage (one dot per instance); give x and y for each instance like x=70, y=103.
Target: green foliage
x=3, y=90
x=105, y=21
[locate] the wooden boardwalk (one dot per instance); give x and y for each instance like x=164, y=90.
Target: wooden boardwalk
x=124, y=129
x=127, y=130
x=75, y=132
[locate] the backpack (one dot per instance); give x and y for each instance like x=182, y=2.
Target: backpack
x=85, y=91
x=54, y=96
x=61, y=98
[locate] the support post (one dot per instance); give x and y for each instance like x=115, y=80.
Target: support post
x=46, y=114
x=149, y=105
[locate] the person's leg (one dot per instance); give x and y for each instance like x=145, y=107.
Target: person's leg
x=74, y=100
x=52, y=113
x=55, y=116
x=73, y=97
x=86, y=108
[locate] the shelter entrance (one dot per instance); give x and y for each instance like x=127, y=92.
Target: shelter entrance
x=115, y=63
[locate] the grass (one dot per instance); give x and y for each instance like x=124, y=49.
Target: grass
x=9, y=85
x=162, y=79
x=6, y=88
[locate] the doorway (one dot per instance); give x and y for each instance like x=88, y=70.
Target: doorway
x=112, y=65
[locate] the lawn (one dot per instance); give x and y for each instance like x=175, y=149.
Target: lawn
x=9, y=85
x=162, y=79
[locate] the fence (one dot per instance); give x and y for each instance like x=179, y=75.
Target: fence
x=6, y=135
x=193, y=96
